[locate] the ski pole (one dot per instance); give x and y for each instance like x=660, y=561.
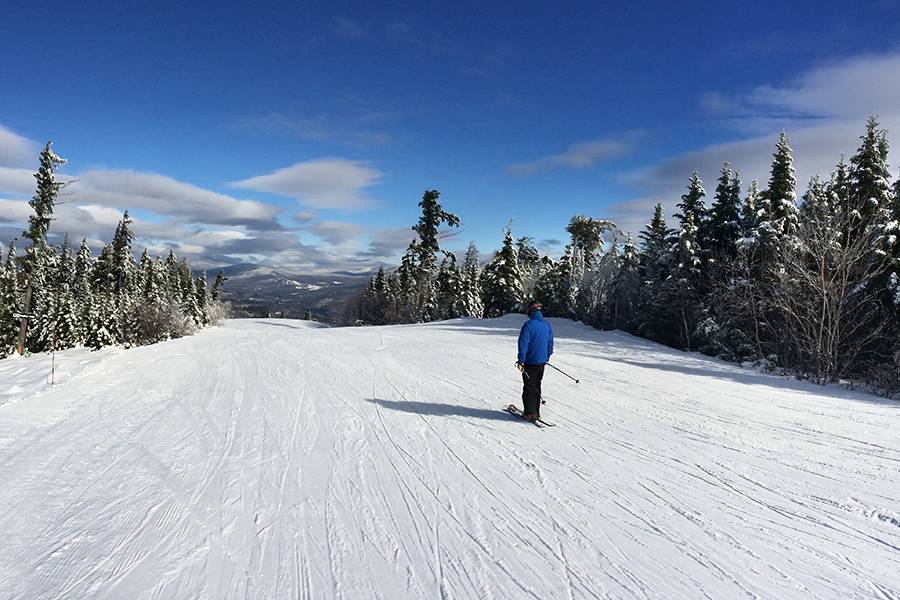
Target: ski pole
x=563, y=372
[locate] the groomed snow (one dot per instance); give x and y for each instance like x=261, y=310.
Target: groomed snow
x=274, y=459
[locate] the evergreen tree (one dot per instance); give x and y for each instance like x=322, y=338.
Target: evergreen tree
x=529, y=264
x=839, y=192
x=656, y=319
x=557, y=288
x=67, y=321
x=83, y=292
x=684, y=279
x=123, y=266
x=870, y=193
x=9, y=302
x=892, y=232
x=40, y=257
x=818, y=206
x=188, y=296
x=449, y=288
x=750, y=211
x=433, y=216
x=220, y=281
x=173, y=281
x=587, y=238
x=724, y=225
x=472, y=305
x=692, y=204
x=406, y=309
x=501, y=280
x=656, y=240
x=781, y=196
x=144, y=272
x=624, y=309
x=202, y=319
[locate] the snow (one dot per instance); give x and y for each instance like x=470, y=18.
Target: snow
x=276, y=459
x=23, y=377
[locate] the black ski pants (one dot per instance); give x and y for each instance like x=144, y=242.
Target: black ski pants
x=531, y=388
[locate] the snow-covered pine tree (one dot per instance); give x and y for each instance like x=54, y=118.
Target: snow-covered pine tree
x=217, y=285
x=67, y=320
x=40, y=257
x=587, y=238
x=683, y=282
x=656, y=319
x=501, y=281
x=81, y=286
x=188, y=293
x=380, y=298
x=750, y=212
x=10, y=300
x=724, y=223
x=529, y=264
x=449, y=289
x=173, y=280
x=406, y=309
x=472, y=305
x=817, y=206
x=781, y=194
x=624, y=299
x=692, y=204
x=144, y=272
x=656, y=241
x=200, y=290
x=870, y=193
x=102, y=325
x=433, y=216
x=123, y=279
x=892, y=233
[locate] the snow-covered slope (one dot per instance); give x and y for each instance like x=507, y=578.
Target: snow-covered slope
x=272, y=459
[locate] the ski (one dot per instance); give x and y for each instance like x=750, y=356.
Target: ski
x=516, y=411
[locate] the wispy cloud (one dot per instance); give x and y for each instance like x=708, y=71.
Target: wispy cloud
x=336, y=233
x=578, y=156
x=386, y=243
x=336, y=183
x=357, y=128
x=348, y=28
x=166, y=196
x=16, y=150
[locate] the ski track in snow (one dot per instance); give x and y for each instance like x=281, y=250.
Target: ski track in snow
x=276, y=459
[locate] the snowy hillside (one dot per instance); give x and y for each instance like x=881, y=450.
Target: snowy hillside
x=275, y=459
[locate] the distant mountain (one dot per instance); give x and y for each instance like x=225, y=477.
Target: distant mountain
x=255, y=291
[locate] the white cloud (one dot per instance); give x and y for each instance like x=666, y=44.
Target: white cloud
x=578, y=156
x=320, y=183
x=14, y=211
x=353, y=128
x=166, y=196
x=386, y=243
x=17, y=182
x=336, y=233
x=15, y=150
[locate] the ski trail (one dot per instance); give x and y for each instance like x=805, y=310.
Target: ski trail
x=254, y=461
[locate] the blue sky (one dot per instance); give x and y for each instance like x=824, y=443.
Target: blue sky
x=303, y=136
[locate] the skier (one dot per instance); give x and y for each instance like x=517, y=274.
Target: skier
x=535, y=348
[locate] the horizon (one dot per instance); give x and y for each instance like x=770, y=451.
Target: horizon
x=302, y=140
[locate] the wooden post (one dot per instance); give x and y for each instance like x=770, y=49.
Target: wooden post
x=53, y=357
x=23, y=320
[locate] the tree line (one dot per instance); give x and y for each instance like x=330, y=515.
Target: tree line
x=61, y=297
x=807, y=285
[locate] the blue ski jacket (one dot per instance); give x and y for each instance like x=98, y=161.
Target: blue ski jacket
x=535, y=340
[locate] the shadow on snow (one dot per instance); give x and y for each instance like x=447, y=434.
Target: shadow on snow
x=439, y=409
